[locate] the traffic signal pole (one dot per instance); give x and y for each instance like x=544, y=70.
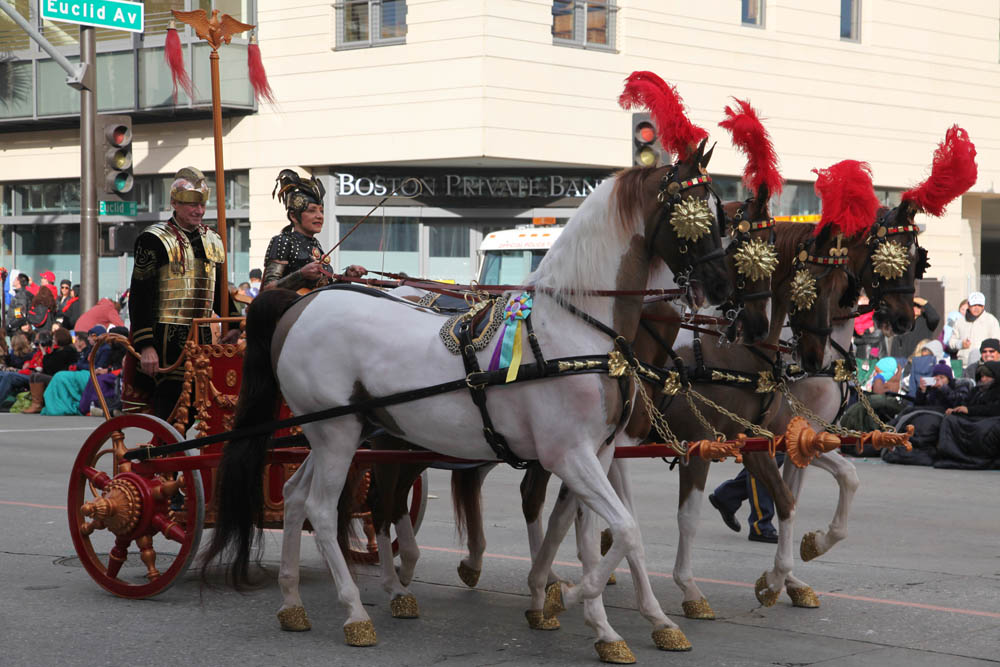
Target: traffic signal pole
x=88, y=180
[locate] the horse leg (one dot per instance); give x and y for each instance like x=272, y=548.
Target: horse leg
x=466, y=489
x=539, y=584
x=335, y=442
x=784, y=490
x=587, y=478
x=409, y=550
x=292, y=613
x=819, y=542
x=693, y=476
x=534, y=485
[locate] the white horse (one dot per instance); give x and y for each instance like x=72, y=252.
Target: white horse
x=380, y=347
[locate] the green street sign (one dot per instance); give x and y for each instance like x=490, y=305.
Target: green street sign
x=118, y=208
x=114, y=14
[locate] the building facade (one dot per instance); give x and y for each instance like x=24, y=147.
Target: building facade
x=482, y=114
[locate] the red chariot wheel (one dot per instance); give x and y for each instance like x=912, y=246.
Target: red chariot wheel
x=111, y=508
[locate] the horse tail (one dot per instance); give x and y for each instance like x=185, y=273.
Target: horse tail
x=466, y=497
x=239, y=493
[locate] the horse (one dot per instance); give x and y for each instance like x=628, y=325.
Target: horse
x=563, y=422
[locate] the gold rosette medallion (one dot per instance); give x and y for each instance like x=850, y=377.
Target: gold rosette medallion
x=756, y=259
x=803, y=289
x=890, y=260
x=692, y=219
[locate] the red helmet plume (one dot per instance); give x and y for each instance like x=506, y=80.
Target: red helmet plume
x=648, y=91
x=953, y=172
x=849, y=200
x=753, y=140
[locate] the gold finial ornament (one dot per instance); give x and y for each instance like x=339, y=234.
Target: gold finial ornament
x=755, y=259
x=803, y=289
x=889, y=260
x=692, y=219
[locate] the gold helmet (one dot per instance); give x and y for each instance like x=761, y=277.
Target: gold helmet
x=189, y=187
x=297, y=193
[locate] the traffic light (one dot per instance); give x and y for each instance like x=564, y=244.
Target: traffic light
x=646, y=148
x=114, y=158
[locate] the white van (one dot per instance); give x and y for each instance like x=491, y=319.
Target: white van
x=506, y=256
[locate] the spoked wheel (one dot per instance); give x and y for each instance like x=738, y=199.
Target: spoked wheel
x=363, y=546
x=111, y=508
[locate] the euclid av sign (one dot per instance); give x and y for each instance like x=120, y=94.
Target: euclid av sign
x=476, y=186
x=113, y=14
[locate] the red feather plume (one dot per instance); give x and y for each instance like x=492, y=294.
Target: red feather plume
x=849, y=200
x=953, y=172
x=258, y=77
x=174, y=55
x=753, y=140
x=645, y=90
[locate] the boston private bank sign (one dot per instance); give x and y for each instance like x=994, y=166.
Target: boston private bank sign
x=479, y=188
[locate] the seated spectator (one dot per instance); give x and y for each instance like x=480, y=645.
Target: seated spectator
x=41, y=313
x=925, y=321
x=984, y=401
x=12, y=380
x=868, y=339
x=60, y=358
x=989, y=350
x=939, y=390
x=107, y=380
x=104, y=314
x=887, y=376
x=67, y=308
x=970, y=331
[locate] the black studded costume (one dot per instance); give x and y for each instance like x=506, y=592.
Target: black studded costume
x=291, y=250
x=173, y=282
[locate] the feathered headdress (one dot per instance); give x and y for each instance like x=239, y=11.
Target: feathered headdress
x=678, y=134
x=953, y=172
x=753, y=141
x=849, y=200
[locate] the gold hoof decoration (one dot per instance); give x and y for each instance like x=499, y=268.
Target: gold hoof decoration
x=359, y=633
x=537, y=620
x=808, y=549
x=553, y=600
x=404, y=606
x=803, y=597
x=612, y=580
x=294, y=619
x=468, y=576
x=671, y=639
x=698, y=609
x=765, y=595
x=617, y=653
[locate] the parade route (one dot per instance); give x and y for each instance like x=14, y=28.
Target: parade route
x=917, y=582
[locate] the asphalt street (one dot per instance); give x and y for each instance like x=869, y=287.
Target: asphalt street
x=916, y=583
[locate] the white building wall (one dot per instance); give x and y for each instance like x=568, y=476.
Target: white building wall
x=479, y=82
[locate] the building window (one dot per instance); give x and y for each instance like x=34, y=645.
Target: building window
x=364, y=23
x=752, y=12
x=850, y=15
x=586, y=24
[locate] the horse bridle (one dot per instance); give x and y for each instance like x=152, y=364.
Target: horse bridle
x=741, y=231
x=670, y=195
x=887, y=258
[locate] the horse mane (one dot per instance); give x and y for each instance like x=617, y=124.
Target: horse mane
x=579, y=258
x=628, y=191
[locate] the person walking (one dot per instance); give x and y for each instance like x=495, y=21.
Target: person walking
x=729, y=496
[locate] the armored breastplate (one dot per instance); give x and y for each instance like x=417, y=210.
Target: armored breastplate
x=187, y=280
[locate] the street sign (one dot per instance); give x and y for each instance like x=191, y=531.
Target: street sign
x=114, y=14
x=118, y=208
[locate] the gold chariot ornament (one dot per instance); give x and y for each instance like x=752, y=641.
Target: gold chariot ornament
x=755, y=259
x=890, y=260
x=803, y=289
x=692, y=219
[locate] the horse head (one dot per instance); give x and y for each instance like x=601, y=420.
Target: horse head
x=752, y=261
x=683, y=227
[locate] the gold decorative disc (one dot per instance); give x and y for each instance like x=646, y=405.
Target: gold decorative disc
x=537, y=621
x=698, y=609
x=617, y=653
x=294, y=619
x=692, y=219
x=671, y=639
x=765, y=595
x=360, y=633
x=755, y=259
x=803, y=291
x=890, y=260
x=804, y=597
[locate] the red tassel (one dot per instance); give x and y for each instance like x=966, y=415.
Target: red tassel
x=848, y=198
x=753, y=140
x=174, y=55
x=677, y=134
x=258, y=77
x=953, y=172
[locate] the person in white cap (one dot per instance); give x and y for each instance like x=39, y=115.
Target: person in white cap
x=970, y=331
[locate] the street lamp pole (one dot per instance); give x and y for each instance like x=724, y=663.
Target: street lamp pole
x=88, y=182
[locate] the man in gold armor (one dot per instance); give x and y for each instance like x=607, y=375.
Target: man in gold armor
x=177, y=264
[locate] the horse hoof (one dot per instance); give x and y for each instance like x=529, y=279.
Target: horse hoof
x=606, y=541
x=612, y=580
x=468, y=576
x=808, y=548
x=765, y=595
x=671, y=639
x=698, y=609
x=404, y=606
x=617, y=653
x=537, y=620
x=553, y=600
x=294, y=619
x=359, y=633
x=803, y=597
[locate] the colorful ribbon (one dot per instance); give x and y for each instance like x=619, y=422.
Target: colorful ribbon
x=508, y=351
